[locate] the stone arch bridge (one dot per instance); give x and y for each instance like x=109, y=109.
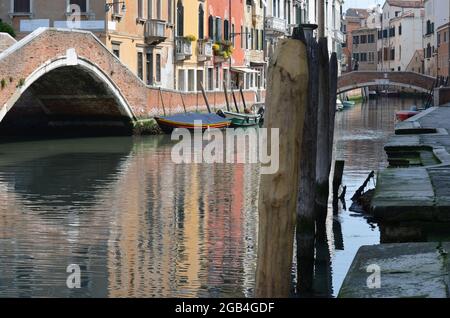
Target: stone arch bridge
x=66, y=78
x=360, y=79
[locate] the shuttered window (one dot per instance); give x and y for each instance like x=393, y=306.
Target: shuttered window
x=21, y=6
x=81, y=3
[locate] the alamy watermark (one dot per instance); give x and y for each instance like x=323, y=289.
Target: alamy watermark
x=249, y=145
x=374, y=279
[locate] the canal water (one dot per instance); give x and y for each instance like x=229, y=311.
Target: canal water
x=138, y=225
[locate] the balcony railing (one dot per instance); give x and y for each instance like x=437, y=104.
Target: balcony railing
x=155, y=31
x=275, y=25
x=205, y=50
x=183, y=48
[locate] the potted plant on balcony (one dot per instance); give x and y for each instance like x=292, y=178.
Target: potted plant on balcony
x=223, y=49
x=190, y=38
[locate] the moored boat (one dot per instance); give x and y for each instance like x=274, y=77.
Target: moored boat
x=348, y=103
x=405, y=114
x=191, y=121
x=240, y=119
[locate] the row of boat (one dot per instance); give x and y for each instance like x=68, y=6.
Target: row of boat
x=222, y=119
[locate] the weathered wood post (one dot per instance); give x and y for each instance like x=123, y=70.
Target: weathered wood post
x=333, y=67
x=306, y=200
x=323, y=126
x=286, y=105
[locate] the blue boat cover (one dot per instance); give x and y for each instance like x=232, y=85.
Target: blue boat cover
x=189, y=118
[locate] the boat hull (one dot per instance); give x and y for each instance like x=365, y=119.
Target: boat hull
x=242, y=120
x=192, y=121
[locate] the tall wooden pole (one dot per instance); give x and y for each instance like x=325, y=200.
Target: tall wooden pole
x=286, y=102
x=305, y=231
x=323, y=126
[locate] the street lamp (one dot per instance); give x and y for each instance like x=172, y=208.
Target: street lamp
x=111, y=4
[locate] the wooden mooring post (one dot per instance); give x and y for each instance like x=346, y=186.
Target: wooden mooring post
x=287, y=93
x=305, y=230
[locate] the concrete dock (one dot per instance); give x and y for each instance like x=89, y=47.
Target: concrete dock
x=416, y=186
x=408, y=270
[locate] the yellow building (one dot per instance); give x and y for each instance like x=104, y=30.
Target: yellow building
x=192, y=47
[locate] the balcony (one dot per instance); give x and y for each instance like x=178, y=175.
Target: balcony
x=275, y=26
x=183, y=48
x=205, y=50
x=155, y=31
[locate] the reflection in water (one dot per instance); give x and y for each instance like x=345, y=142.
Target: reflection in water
x=140, y=225
x=136, y=223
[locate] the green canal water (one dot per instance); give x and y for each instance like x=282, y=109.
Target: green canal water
x=139, y=225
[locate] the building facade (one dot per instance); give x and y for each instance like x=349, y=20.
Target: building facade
x=401, y=34
x=353, y=20
x=364, y=49
x=443, y=50
x=436, y=15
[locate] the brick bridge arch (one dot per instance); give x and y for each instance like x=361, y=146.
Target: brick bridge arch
x=359, y=79
x=60, y=71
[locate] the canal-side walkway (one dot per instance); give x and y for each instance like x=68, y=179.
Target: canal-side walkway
x=416, y=186
x=407, y=270
x=411, y=203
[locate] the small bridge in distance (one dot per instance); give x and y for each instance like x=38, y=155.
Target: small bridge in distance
x=359, y=79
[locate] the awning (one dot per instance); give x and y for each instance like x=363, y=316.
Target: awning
x=264, y=63
x=245, y=70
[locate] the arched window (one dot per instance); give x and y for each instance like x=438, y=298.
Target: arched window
x=211, y=27
x=180, y=18
x=201, y=22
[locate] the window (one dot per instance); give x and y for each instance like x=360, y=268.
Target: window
x=158, y=9
x=211, y=27
x=218, y=29
x=385, y=34
x=246, y=37
x=363, y=39
x=149, y=68
x=201, y=15
x=158, y=68
x=199, y=79
x=116, y=49
x=356, y=56
x=180, y=18
x=233, y=37
x=210, y=79
x=81, y=3
x=140, y=5
x=181, y=81
x=445, y=37
x=363, y=57
x=169, y=11
x=191, y=80
x=400, y=29
x=22, y=6
x=149, y=9
x=392, y=54
x=217, y=77
x=226, y=31
x=356, y=39
x=392, y=32
x=438, y=39
x=371, y=38
x=140, y=66
x=242, y=37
